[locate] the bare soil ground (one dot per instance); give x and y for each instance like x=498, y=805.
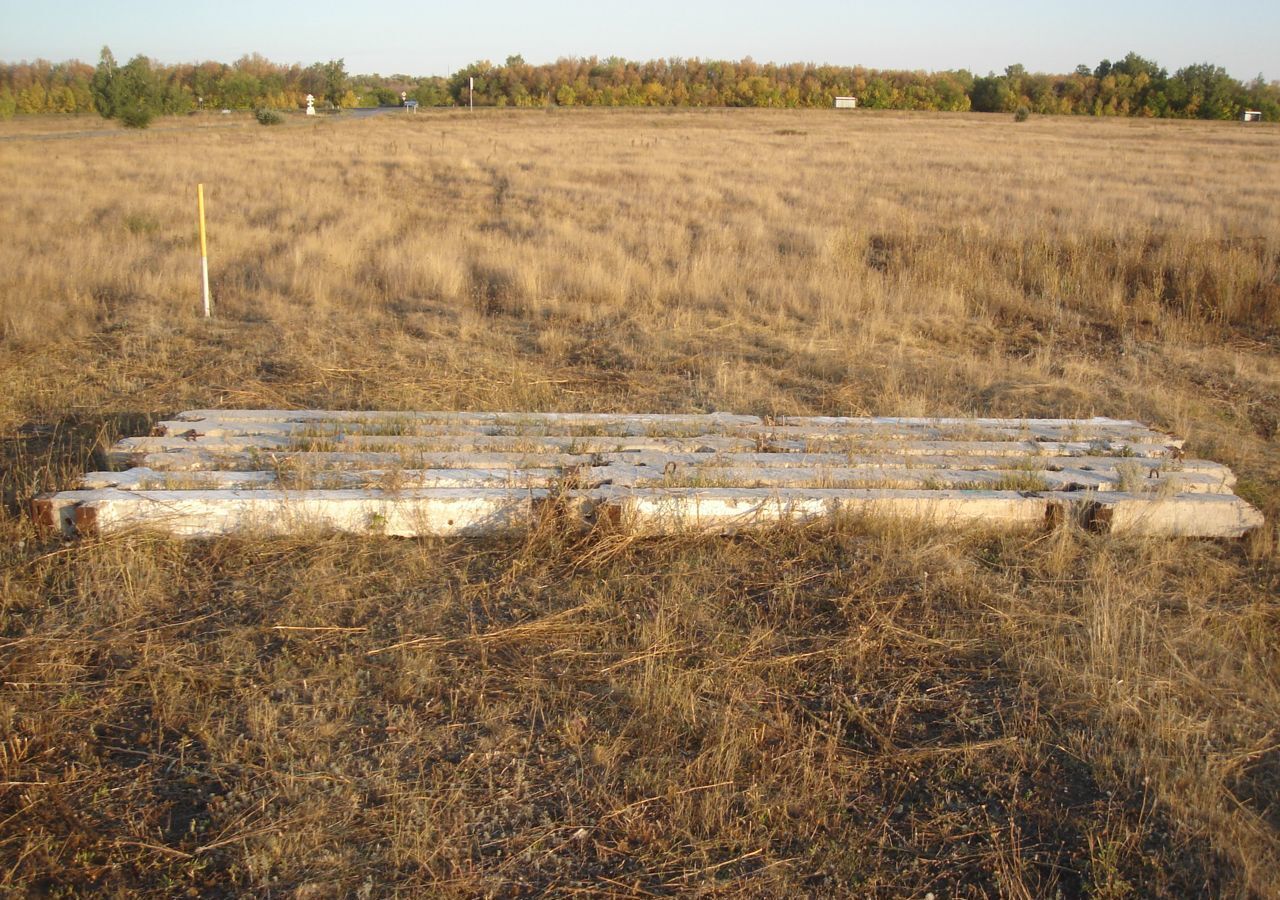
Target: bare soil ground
x=855, y=708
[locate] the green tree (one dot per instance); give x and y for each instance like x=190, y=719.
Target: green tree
x=142, y=88
x=176, y=97
x=460, y=85
x=431, y=92
x=241, y=90
x=335, y=81
x=878, y=94
x=991, y=94
x=1260, y=95
x=1208, y=92
x=1014, y=78
x=132, y=93
x=106, y=86
x=312, y=81
x=8, y=105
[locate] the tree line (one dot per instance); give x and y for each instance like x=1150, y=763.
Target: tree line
x=1132, y=86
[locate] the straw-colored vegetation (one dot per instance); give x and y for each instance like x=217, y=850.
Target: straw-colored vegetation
x=854, y=708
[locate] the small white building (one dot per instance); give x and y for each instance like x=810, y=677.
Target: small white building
x=846, y=103
x=1251, y=115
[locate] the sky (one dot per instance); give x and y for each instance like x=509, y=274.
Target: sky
x=436, y=38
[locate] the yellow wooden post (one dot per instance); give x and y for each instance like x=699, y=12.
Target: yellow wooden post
x=204, y=250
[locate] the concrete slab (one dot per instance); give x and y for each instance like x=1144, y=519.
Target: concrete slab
x=211, y=472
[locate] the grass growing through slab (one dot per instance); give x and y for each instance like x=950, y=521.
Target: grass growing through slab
x=857, y=709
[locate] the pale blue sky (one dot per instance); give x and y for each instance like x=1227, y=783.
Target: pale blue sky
x=438, y=37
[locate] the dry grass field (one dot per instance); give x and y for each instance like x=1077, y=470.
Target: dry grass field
x=859, y=708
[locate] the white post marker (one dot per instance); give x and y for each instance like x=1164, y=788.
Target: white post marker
x=472, y=92
x=204, y=250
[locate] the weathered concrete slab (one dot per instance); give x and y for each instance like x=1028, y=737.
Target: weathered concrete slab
x=381, y=479
x=1204, y=515
x=212, y=472
x=135, y=448
x=1061, y=479
x=715, y=421
x=1022, y=449
x=1140, y=479
x=318, y=424
x=453, y=511
x=301, y=462
x=385, y=418
x=729, y=509
x=1144, y=466
x=410, y=513
x=191, y=460
x=721, y=509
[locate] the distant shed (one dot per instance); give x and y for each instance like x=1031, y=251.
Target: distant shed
x=1251, y=115
x=846, y=103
